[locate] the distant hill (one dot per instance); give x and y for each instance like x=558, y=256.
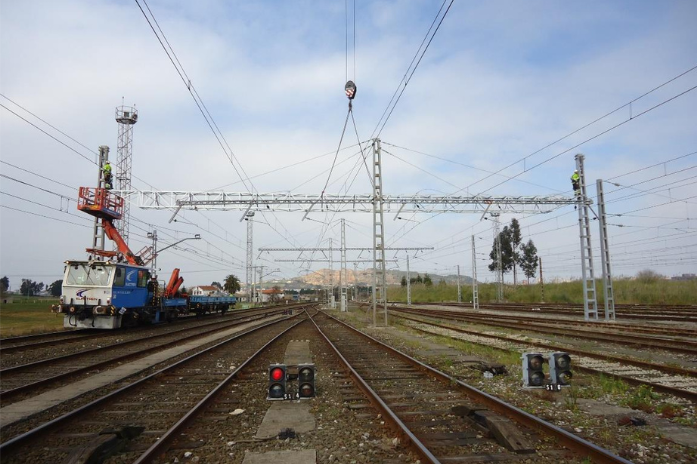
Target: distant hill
x=363, y=278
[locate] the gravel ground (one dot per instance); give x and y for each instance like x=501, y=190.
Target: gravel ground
x=610, y=424
x=342, y=435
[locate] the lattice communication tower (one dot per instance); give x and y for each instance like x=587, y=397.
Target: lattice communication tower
x=127, y=118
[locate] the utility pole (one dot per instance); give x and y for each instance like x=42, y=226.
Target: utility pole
x=379, y=289
x=343, y=273
x=331, y=301
x=409, y=293
x=498, y=252
x=540, y=275
x=588, y=282
x=261, y=277
x=476, y=297
x=608, y=300
x=250, y=257
x=459, y=294
x=155, y=250
x=98, y=230
x=356, y=282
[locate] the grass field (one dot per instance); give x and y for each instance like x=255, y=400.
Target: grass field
x=626, y=291
x=27, y=315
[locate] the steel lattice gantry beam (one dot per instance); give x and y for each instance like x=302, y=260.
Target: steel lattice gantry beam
x=360, y=203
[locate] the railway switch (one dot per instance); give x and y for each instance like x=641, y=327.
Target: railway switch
x=306, y=381
x=533, y=375
x=560, y=368
x=277, y=382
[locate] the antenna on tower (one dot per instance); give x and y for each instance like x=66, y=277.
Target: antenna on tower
x=126, y=117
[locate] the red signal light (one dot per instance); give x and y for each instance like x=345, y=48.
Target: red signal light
x=277, y=374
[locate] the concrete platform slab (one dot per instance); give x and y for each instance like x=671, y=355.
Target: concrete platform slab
x=684, y=435
x=26, y=408
x=286, y=414
x=298, y=352
x=596, y=407
x=282, y=456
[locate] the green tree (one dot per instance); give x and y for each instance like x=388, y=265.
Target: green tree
x=4, y=285
x=507, y=252
x=403, y=283
x=231, y=284
x=217, y=284
x=515, y=238
x=529, y=259
x=30, y=287
x=419, y=279
x=427, y=280
x=55, y=288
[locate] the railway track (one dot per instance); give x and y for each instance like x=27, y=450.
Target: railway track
x=671, y=380
x=145, y=409
x=623, y=311
x=678, y=344
x=28, y=343
x=442, y=417
x=32, y=378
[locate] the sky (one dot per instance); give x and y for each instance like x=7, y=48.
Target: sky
x=505, y=87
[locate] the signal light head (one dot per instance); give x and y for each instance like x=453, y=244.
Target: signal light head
x=533, y=375
x=277, y=374
x=276, y=389
x=560, y=368
x=306, y=381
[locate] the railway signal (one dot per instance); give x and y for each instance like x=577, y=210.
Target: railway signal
x=306, y=381
x=560, y=368
x=277, y=382
x=533, y=375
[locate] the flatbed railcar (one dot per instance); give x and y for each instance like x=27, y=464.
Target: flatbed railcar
x=116, y=289
x=104, y=295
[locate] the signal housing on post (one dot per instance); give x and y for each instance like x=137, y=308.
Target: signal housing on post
x=560, y=368
x=306, y=381
x=277, y=382
x=533, y=375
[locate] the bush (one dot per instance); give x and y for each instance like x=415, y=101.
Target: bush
x=648, y=276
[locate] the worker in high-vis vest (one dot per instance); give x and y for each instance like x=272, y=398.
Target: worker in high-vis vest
x=575, y=182
x=106, y=169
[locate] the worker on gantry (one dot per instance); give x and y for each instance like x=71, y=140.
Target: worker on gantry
x=575, y=183
x=106, y=170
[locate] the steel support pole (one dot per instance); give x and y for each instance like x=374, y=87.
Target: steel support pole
x=331, y=301
x=379, y=289
x=608, y=300
x=498, y=252
x=459, y=294
x=98, y=230
x=588, y=282
x=409, y=293
x=250, y=257
x=476, y=297
x=540, y=275
x=343, y=272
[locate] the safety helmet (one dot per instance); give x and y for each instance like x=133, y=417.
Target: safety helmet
x=576, y=171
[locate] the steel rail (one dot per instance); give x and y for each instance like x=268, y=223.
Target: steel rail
x=61, y=337
x=17, y=441
x=163, y=442
x=682, y=393
x=571, y=441
x=659, y=335
x=640, y=363
x=375, y=399
x=614, y=338
x=681, y=314
x=10, y=393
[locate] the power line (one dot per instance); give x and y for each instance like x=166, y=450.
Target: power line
x=405, y=79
